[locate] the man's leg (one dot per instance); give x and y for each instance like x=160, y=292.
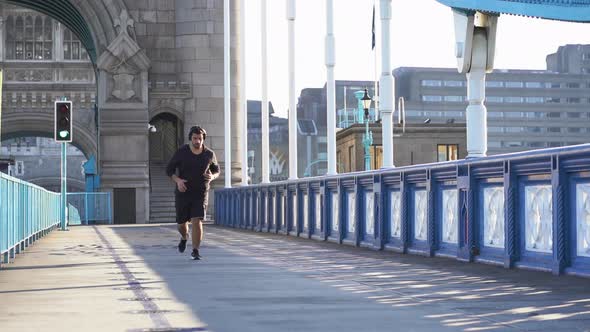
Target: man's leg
x=197, y=232
x=183, y=230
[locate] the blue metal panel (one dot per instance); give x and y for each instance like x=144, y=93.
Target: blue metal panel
x=563, y=10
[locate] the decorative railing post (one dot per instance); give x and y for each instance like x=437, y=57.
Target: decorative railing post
x=404, y=218
x=379, y=206
x=468, y=247
x=324, y=215
x=341, y=211
x=310, y=210
x=359, y=227
x=432, y=229
x=560, y=225
x=511, y=228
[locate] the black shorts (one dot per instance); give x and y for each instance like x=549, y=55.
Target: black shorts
x=192, y=206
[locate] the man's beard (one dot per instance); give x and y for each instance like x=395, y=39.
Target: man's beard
x=197, y=146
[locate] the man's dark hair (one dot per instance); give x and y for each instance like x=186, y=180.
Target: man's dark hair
x=197, y=130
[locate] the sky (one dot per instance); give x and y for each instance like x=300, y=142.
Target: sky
x=422, y=35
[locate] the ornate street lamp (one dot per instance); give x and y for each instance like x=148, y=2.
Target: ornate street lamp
x=367, y=136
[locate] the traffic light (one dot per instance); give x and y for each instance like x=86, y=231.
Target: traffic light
x=63, y=121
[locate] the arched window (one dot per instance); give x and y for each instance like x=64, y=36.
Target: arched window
x=73, y=49
x=29, y=37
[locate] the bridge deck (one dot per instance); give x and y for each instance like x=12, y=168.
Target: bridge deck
x=130, y=278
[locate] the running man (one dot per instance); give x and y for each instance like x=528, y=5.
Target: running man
x=197, y=167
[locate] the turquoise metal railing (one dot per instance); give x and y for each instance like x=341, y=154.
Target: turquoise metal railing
x=27, y=212
x=93, y=207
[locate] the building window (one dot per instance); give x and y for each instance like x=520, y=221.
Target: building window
x=29, y=37
x=533, y=129
x=552, y=99
x=494, y=84
x=454, y=83
x=351, y=167
x=514, y=84
x=533, y=85
x=573, y=85
x=455, y=99
x=554, y=130
x=431, y=83
x=573, y=100
x=447, y=152
x=513, y=99
x=553, y=114
x=73, y=49
x=574, y=130
x=574, y=115
x=431, y=98
x=535, y=100
x=377, y=156
x=494, y=99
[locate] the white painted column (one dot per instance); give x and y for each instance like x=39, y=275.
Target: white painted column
x=476, y=116
x=292, y=104
x=386, y=85
x=227, y=94
x=331, y=88
x=242, y=92
x=264, y=106
x=475, y=42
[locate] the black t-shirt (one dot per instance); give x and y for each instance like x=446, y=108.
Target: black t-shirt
x=192, y=167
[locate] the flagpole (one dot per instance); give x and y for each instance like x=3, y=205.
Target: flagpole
x=376, y=77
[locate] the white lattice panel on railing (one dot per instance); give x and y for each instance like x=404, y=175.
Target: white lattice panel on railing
x=351, y=212
x=493, y=217
x=369, y=215
x=449, y=218
x=538, y=218
x=583, y=219
x=420, y=214
x=318, y=212
x=305, y=213
x=335, y=212
x=396, y=215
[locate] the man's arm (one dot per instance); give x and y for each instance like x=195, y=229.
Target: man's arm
x=171, y=170
x=214, y=168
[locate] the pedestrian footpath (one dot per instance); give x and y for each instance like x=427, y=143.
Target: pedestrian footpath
x=131, y=278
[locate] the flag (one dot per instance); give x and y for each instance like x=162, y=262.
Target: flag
x=373, y=30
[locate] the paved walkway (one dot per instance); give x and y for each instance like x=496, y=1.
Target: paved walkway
x=130, y=278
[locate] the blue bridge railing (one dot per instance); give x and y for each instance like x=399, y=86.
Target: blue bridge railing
x=526, y=210
x=93, y=207
x=27, y=213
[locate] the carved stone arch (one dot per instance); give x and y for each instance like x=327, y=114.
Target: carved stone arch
x=41, y=123
x=159, y=109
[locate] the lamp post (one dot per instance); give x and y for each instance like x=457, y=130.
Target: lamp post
x=367, y=136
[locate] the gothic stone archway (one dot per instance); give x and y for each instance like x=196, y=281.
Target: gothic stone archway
x=185, y=66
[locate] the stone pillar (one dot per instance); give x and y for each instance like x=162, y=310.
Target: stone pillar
x=199, y=43
x=123, y=106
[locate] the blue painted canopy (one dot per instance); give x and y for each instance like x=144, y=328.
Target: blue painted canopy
x=562, y=10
